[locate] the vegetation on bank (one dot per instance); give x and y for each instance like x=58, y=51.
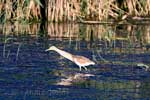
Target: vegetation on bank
x=72, y=10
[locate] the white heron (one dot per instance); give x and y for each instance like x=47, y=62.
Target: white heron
x=81, y=61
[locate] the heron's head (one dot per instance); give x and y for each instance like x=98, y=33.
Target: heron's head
x=51, y=48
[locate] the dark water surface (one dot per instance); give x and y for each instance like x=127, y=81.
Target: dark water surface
x=28, y=72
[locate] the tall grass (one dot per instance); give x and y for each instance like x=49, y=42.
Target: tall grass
x=71, y=10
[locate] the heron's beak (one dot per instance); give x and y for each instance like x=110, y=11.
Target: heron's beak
x=47, y=50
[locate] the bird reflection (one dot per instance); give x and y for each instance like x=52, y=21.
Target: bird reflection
x=71, y=79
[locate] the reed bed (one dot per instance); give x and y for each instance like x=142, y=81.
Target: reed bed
x=71, y=10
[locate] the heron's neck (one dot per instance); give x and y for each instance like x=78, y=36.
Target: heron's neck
x=64, y=54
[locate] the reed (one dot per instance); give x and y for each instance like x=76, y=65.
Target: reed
x=71, y=10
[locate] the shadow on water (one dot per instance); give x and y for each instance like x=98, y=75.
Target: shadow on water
x=121, y=53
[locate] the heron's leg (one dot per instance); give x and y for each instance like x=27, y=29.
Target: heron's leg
x=80, y=68
x=84, y=68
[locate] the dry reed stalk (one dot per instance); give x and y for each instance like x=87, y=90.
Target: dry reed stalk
x=61, y=10
x=101, y=10
x=19, y=10
x=57, y=10
x=115, y=11
x=68, y=10
x=2, y=5
x=8, y=9
x=105, y=9
x=34, y=10
x=49, y=13
x=29, y=9
x=53, y=11
x=132, y=7
x=140, y=8
x=137, y=7
x=48, y=10
x=147, y=7
x=75, y=9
